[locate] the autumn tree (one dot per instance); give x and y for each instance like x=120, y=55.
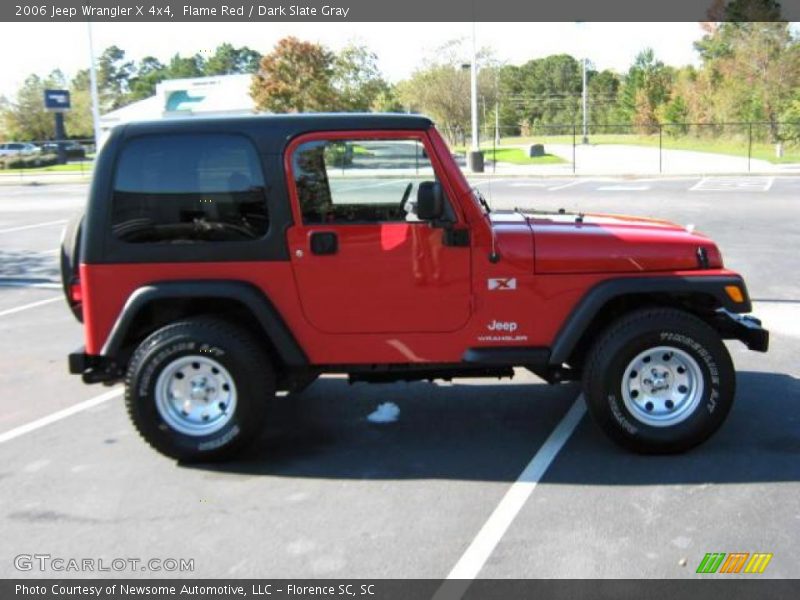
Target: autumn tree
x=295, y=77
x=754, y=70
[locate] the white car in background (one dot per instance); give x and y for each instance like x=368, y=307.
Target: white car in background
x=19, y=149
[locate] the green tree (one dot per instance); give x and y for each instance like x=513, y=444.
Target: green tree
x=555, y=85
x=113, y=74
x=646, y=87
x=295, y=77
x=25, y=117
x=675, y=114
x=357, y=79
x=604, y=89
x=79, y=122
x=185, y=67
x=441, y=89
x=388, y=100
x=229, y=60
x=545, y=92
x=443, y=93
x=149, y=72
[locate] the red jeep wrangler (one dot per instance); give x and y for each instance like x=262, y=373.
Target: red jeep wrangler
x=221, y=260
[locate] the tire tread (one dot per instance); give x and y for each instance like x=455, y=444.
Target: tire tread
x=217, y=327
x=626, y=327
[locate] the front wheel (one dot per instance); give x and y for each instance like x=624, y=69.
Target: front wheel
x=197, y=390
x=659, y=381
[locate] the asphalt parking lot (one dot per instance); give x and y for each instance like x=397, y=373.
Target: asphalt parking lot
x=325, y=493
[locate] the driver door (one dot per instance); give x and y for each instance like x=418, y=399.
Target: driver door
x=362, y=261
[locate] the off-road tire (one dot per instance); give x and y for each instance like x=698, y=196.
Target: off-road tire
x=231, y=347
x=629, y=337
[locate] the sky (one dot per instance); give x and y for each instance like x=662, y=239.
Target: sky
x=42, y=47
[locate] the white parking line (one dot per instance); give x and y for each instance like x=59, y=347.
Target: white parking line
x=534, y=184
x=36, y=285
x=472, y=561
x=59, y=415
x=348, y=185
x=16, y=309
x=623, y=188
x=781, y=318
x=24, y=227
x=567, y=185
x=733, y=184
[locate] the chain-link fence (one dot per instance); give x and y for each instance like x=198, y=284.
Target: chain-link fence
x=630, y=148
x=558, y=148
x=42, y=158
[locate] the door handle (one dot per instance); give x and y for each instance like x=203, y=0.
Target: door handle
x=324, y=242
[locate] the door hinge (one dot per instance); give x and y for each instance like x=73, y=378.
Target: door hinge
x=455, y=237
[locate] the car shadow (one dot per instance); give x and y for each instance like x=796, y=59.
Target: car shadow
x=490, y=432
x=759, y=442
x=30, y=267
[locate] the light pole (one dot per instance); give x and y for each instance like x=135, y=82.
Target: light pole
x=473, y=84
x=93, y=90
x=496, y=106
x=475, y=155
x=582, y=45
x=585, y=101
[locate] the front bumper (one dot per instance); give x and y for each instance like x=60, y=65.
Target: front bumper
x=744, y=328
x=93, y=368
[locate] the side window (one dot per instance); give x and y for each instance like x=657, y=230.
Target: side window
x=189, y=188
x=359, y=181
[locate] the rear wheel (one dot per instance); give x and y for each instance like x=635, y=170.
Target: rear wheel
x=197, y=390
x=659, y=381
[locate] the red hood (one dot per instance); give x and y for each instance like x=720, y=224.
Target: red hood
x=596, y=243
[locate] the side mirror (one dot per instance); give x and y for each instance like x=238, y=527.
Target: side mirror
x=430, y=201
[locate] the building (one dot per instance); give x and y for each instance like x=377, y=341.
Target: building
x=200, y=96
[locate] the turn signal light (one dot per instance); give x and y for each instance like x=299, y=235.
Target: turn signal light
x=734, y=293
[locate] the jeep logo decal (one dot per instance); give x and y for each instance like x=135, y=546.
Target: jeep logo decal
x=510, y=326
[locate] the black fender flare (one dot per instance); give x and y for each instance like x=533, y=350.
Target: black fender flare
x=598, y=296
x=242, y=292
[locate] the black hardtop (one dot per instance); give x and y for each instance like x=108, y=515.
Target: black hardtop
x=271, y=132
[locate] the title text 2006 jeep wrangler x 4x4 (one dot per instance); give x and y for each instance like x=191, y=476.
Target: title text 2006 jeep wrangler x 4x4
x=222, y=260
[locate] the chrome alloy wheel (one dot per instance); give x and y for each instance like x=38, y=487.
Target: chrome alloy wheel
x=195, y=395
x=662, y=386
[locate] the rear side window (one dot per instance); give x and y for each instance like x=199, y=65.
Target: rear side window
x=189, y=188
